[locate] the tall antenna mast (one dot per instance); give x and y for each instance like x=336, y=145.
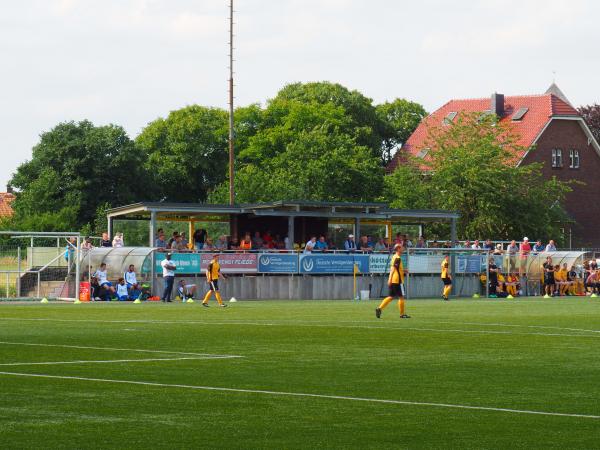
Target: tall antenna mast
x=231, y=155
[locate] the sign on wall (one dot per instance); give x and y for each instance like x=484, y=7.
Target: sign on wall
x=186, y=263
x=277, y=263
x=339, y=263
x=233, y=262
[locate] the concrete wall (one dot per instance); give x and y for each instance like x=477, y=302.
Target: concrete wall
x=311, y=287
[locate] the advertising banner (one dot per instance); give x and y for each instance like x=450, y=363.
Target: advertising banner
x=186, y=263
x=380, y=262
x=339, y=263
x=277, y=263
x=233, y=262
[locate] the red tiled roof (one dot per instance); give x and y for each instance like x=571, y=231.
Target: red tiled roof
x=6, y=199
x=541, y=109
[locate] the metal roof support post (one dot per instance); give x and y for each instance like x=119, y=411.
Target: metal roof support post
x=290, y=233
x=77, y=267
x=357, y=228
x=110, y=227
x=453, y=254
x=152, y=231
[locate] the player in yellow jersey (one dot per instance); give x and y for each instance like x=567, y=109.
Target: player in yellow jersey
x=446, y=278
x=395, y=283
x=213, y=272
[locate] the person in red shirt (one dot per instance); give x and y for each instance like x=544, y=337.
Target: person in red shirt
x=524, y=251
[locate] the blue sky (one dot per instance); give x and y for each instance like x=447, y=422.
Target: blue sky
x=131, y=61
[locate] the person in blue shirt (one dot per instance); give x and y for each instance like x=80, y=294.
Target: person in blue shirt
x=321, y=245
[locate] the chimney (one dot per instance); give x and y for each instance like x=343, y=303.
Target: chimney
x=9, y=189
x=497, y=104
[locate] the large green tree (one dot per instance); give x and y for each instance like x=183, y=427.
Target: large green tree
x=75, y=168
x=400, y=118
x=316, y=141
x=471, y=168
x=186, y=153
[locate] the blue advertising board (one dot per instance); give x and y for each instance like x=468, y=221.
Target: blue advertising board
x=277, y=263
x=338, y=263
x=185, y=262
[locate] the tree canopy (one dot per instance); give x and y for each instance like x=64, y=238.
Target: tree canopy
x=74, y=168
x=591, y=115
x=186, y=153
x=471, y=168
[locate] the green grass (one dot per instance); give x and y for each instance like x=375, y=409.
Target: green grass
x=534, y=355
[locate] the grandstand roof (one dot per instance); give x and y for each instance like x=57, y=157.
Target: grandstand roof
x=285, y=208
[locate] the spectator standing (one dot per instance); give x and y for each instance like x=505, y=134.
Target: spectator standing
x=221, y=244
x=246, y=243
x=105, y=241
x=257, y=241
x=160, y=241
x=421, y=243
x=310, y=245
x=86, y=245
x=524, y=251
x=498, y=250
x=70, y=250
x=184, y=240
x=487, y=245
x=538, y=247
x=551, y=247
x=321, y=244
x=177, y=244
x=168, y=277
x=118, y=241
x=364, y=245
x=476, y=245
x=512, y=251
x=381, y=245
x=199, y=237
x=349, y=244
x=208, y=245
x=172, y=239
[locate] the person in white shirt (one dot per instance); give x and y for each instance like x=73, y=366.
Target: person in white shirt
x=131, y=278
x=118, y=241
x=122, y=292
x=310, y=245
x=476, y=245
x=186, y=291
x=101, y=275
x=168, y=277
x=551, y=247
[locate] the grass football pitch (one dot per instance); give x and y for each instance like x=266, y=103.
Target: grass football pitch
x=301, y=374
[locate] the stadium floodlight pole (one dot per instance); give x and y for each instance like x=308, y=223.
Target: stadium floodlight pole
x=231, y=155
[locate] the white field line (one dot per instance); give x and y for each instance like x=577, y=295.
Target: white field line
x=109, y=361
x=164, y=352
x=311, y=325
x=301, y=394
x=541, y=327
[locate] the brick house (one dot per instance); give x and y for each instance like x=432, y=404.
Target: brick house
x=562, y=141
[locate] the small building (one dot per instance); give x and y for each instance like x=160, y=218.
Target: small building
x=560, y=136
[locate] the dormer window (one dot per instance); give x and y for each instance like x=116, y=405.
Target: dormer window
x=450, y=118
x=557, y=162
x=519, y=114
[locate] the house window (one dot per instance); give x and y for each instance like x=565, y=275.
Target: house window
x=574, y=159
x=557, y=158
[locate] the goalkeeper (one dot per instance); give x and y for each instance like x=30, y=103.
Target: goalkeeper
x=395, y=283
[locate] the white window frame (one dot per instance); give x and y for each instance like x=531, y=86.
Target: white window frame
x=557, y=162
x=574, y=159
